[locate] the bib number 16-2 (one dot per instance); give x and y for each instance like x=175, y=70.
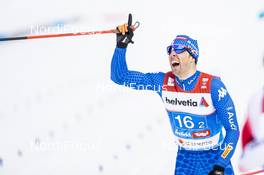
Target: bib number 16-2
x=187, y=122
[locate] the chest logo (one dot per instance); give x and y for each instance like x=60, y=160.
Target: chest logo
x=170, y=82
x=221, y=93
x=203, y=103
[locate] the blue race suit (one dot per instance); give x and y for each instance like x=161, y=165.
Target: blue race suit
x=198, y=108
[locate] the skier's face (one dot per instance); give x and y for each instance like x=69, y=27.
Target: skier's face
x=181, y=63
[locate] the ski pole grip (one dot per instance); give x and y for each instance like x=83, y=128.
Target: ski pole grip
x=129, y=20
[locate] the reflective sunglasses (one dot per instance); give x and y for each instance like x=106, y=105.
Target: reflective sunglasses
x=178, y=48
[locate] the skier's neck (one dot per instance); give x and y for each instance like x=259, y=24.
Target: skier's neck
x=186, y=75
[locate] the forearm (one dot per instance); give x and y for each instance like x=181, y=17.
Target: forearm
x=120, y=73
x=229, y=121
x=119, y=68
x=227, y=115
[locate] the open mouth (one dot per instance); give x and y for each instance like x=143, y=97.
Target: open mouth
x=175, y=63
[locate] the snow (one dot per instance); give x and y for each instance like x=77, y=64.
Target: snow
x=61, y=114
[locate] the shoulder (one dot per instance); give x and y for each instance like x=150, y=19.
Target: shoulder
x=219, y=92
x=204, y=74
x=156, y=76
x=169, y=74
x=215, y=80
x=160, y=74
x=217, y=83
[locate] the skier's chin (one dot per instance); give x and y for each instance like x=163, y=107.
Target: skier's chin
x=175, y=70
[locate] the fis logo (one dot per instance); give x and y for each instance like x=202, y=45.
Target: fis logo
x=203, y=103
x=221, y=93
x=170, y=82
x=204, y=82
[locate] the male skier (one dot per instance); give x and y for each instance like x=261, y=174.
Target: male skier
x=198, y=105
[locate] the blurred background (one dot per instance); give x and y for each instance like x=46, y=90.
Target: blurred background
x=60, y=114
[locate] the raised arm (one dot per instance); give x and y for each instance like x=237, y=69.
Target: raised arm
x=119, y=71
x=137, y=80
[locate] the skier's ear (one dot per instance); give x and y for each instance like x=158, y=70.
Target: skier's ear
x=192, y=59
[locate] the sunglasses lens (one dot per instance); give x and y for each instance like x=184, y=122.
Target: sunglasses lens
x=178, y=51
x=177, y=48
x=169, y=50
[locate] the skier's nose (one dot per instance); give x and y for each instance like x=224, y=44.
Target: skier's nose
x=173, y=56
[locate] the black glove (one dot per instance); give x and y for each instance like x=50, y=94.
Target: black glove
x=125, y=35
x=217, y=170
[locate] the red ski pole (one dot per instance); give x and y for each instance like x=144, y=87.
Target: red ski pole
x=253, y=173
x=135, y=26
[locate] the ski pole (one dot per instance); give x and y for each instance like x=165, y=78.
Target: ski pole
x=134, y=27
x=54, y=23
x=253, y=173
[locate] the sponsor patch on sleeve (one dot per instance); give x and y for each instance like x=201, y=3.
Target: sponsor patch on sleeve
x=228, y=149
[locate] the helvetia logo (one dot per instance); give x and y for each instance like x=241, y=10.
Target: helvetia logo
x=203, y=103
x=182, y=102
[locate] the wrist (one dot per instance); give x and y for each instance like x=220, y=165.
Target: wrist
x=121, y=45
